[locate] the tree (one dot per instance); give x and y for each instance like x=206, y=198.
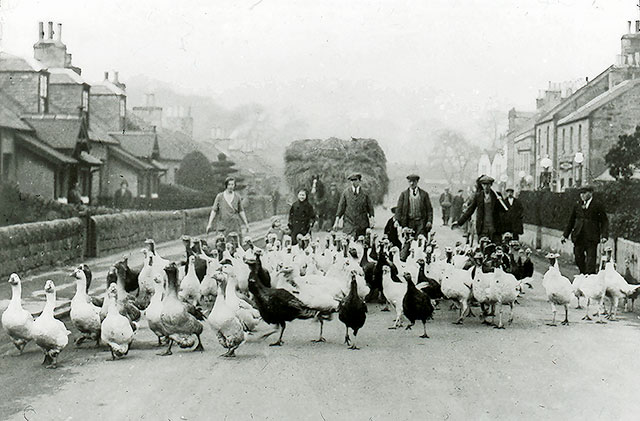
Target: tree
x=454, y=156
x=624, y=156
x=195, y=172
x=223, y=168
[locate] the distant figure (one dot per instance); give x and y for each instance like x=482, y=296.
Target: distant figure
x=457, y=205
x=489, y=208
x=275, y=200
x=414, y=208
x=122, y=199
x=446, y=200
x=355, y=208
x=513, y=216
x=301, y=217
x=391, y=229
x=331, y=201
x=587, y=225
x=227, y=211
x=276, y=228
x=73, y=196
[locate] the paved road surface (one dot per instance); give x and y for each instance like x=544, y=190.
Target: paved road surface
x=527, y=371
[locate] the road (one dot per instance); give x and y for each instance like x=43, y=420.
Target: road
x=527, y=371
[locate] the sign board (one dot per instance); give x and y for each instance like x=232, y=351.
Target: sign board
x=565, y=166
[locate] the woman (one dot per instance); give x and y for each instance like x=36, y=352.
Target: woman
x=301, y=217
x=227, y=207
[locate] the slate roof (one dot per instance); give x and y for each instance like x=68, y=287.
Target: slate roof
x=12, y=63
x=139, y=144
x=60, y=133
x=63, y=76
x=127, y=157
x=106, y=87
x=31, y=142
x=9, y=118
x=602, y=99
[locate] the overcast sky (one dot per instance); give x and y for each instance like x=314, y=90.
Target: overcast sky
x=396, y=60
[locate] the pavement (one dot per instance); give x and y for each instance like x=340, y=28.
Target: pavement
x=527, y=371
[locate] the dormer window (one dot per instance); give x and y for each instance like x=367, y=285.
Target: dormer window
x=123, y=108
x=43, y=103
x=85, y=101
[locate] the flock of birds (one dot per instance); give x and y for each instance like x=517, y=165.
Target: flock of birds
x=243, y=292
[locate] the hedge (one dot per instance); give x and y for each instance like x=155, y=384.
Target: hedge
x=620, y=198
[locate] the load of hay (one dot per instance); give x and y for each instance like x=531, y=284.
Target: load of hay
x=333, y=160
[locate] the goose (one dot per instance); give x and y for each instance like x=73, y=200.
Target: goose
x=84, y=315
x=181, y=320
x=17, y=321
x=50, y=334
x=229, y=329
x=190, y=284
x=154, y=311
x=116, y=330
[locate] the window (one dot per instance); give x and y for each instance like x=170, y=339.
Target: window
x=123, y=108
x=563, y=141
x=570, y=182
x=547, y=145
x=571, y=137
x=85, y=101
x=561, y=184
x=43, y=103
x=539, y=141
x=579, y=137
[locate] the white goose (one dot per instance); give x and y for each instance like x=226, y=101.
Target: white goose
x=50, y=333
x=17, y=321
x=116, y=328
x=84, y=315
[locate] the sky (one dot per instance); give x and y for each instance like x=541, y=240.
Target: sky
x=394, y=69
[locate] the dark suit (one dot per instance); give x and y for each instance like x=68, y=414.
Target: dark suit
x=356, y=210
x=392, y=233
x=512, y=219
x=419, y=225
x=498, y=210
x=587, y=227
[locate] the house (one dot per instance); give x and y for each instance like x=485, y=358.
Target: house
x=36, y=167
x=586, y=135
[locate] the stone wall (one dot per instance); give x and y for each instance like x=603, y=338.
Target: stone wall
x=41, y=245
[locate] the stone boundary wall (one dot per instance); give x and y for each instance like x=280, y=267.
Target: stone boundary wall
x=40, y=245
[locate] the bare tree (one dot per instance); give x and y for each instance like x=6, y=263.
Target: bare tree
x=454, y=157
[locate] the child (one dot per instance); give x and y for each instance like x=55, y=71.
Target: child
x=301, y=217
x=391, y=230
x=276, y=228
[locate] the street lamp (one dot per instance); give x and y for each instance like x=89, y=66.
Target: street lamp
x=545, y=177
x=579, y=159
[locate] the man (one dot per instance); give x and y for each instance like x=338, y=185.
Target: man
x=490, y=211
x=457, y=205
x=355, y=209
x=275, y=200
x=414, y=208
x=588, y=225
x=514, y=214
x=445, y=203
x=331, y=202
x=73, y=196
x=122, y=198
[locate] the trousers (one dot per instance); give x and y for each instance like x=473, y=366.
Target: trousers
x=446, y=211
x=585, y=255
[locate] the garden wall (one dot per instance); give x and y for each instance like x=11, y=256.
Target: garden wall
x=40, y=245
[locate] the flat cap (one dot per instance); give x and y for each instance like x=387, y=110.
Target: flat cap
x=413, y=177
x=509, y=189
x=585, y=188
x=354, y=176
x=485, y=179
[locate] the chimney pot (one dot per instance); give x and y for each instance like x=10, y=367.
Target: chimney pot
x=637, y=26
x=59, y=37
x=115, y=77
x=50, y=24
x=40, y=31
x=629, y=28
x=106, y=75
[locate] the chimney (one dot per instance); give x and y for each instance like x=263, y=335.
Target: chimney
x=106, y=75
x=115, y=77
x=59, y=37
x=629, y=29
x=50, y=30
x=40, y=31
x=637, y=26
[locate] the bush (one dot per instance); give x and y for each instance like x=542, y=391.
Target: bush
x=552, y=210
x=173, y=196
x=334, y=159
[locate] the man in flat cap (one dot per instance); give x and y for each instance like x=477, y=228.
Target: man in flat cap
x=587, y=225
x=414, y=208
x=446, y=200
x=490, y=211
x=513, y=217
x=355, y=208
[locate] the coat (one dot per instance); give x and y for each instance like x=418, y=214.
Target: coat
x=456, y=206
x=587, y=226
x=499, y=209
x=356, y=210
x=122, y=200
x=301, y=216
x=402, y=211
x=391, y=232
x=512, y=219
